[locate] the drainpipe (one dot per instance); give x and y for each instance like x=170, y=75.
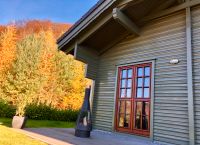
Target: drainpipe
x=190, y=77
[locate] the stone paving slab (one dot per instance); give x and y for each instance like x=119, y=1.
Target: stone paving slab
x=60, y=136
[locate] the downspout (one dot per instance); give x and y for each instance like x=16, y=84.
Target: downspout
x=190, y=77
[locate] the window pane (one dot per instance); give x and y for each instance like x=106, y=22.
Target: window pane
x=140, y=71
x=139, y=108
x=129, y=83
x=121, y=120
x=138, y=122
x=146, y=92
x=127, y=121
x=128, y=107
x=123, y=93
x=139, y=82
x=145, y=108
x=147, y=71
x=139, y=92
x=128, y=93
x=123, y=83
x=124, y=73
x=147, y=82
x=122, y=107
x=145, y=122
x=130, y=73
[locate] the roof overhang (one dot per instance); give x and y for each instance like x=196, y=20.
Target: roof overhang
x=85, y=21
x=117, y=18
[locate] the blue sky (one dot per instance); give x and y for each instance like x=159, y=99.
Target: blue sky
x=64, y=11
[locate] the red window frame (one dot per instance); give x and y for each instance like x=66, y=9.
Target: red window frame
x=132, y=129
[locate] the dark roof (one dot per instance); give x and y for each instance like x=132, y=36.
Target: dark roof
x=81, y=19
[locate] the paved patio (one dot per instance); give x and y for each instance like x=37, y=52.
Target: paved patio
x=57, y=136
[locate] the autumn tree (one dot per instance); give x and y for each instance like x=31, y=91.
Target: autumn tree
x=64, y=80
x=7, y=49
x=34, y=69
x=48, y=69
x=70, y=80
x=24, y=79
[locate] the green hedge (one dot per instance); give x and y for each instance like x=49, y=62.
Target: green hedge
x=6, y=110
x=40, y=112
x=44, y=112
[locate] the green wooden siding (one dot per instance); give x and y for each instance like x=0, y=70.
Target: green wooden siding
x=163, y=40
x=196, y=68
x=90, y=57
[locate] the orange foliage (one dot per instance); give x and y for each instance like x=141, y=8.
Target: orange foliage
x=69, y=95
x=9, y=35
x=47, y=68
x=2, y=28
x=63, y=77
x=25, y=28
x=7, y=48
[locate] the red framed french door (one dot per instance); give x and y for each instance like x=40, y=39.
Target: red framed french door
x=133, y=99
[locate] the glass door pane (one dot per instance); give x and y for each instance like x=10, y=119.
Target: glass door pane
x=142, y=115
x=124, y=114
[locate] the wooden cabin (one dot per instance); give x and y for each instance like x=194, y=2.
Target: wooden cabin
x=144, y=59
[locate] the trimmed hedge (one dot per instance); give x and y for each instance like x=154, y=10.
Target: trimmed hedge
x=40, y=112
x=6, y=110
x=44, y=112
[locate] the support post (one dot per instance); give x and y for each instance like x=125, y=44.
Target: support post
x=75, y=49
x=190, y=77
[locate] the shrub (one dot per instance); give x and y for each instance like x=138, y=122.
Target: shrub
x=40, y=112
x=6, y=110
x=44, y=112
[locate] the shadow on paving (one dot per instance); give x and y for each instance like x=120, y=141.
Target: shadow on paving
x=62, y=136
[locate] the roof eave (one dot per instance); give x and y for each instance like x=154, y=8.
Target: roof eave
x=84, y=22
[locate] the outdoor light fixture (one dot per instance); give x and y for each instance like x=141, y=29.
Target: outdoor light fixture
x=174, y=61
x=84, y=123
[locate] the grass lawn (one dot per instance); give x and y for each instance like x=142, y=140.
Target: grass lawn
x=9, y=136
x=40, y=123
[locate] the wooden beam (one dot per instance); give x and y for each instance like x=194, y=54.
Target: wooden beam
x=164, y=5
x=125, y=3
x=125, y=21
x=171, y=10
x=190, y=77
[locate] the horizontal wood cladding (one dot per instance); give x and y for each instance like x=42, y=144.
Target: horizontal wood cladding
x=196, y=68
x=89, y=57
x=162, y=40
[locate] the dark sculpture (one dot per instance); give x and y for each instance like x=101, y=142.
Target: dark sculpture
x=84, y=122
